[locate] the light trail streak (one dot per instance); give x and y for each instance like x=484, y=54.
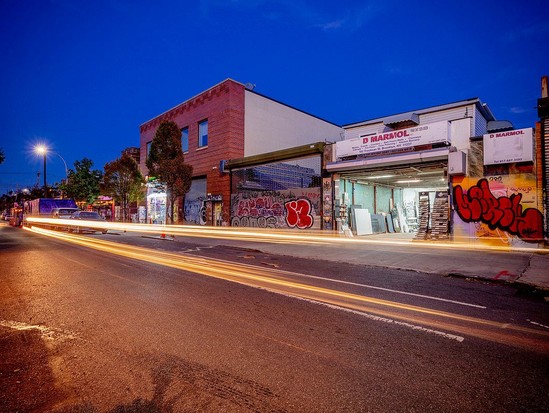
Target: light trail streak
x=271, y=235
x=283, y=282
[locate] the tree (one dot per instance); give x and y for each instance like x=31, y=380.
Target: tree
x=122, y=181
x=83, y=182
x=167, y=164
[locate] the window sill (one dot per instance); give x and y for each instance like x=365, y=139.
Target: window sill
x=202, y=148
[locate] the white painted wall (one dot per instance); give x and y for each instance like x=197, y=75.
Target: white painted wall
x=271, y=126
x=460, y=131
x=451, y=114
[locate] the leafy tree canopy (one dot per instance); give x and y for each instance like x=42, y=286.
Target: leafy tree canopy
x=167, y=163
x=166, y=145
x=122, y=181
x=83, y=182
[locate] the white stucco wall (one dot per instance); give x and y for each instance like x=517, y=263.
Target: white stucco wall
x=271, y=126
x=460, y=133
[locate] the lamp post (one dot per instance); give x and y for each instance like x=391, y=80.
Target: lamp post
x=43, y=150
x=66, y=172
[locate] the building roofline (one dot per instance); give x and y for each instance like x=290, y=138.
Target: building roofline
x=191, y=98
x=482, y=107
x=292, y=107
x=247, y=90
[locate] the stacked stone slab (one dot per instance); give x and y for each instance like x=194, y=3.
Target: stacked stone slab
x=439, y=217
x=423, y=207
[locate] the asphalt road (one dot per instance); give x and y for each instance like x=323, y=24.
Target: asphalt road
x=157, y=326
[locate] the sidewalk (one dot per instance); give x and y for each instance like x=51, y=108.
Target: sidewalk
x=526, y=267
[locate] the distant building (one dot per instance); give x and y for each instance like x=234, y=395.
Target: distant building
x=227, y=121
x=134, y=152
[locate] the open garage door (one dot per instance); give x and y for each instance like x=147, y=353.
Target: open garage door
x=399, y=199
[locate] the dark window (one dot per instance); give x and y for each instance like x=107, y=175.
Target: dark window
x=203, y=133
x=185, y=139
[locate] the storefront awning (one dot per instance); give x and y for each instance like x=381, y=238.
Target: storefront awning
x=391, y=160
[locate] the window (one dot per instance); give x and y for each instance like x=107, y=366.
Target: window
x=185, y=139
x=203, y=133
x=149, y=148
x=279, y=176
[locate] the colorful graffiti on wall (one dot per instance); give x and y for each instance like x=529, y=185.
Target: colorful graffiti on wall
x=500, y=207
x=195, y=211
x=296, y=208
x=298, y=214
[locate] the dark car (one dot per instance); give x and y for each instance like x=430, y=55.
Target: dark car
x=63, y=213
x=87, y=226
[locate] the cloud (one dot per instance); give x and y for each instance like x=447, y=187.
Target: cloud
x=517, y=110
x=334, y=25
x=352, y=19
x=526, y=32
x=326, y=17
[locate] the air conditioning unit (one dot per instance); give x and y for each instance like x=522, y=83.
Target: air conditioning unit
x=457, y=163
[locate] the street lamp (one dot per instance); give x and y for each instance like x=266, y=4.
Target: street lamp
x=43, y=150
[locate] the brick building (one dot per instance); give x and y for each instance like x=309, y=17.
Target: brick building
x=227, y=121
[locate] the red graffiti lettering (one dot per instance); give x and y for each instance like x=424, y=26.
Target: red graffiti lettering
x=480, y=205
x=298, y=213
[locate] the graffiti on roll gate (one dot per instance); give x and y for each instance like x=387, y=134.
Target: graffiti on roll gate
x=479, y=204
x=298, y=213
x=297, y=208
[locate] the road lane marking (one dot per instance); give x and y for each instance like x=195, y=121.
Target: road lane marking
x=378, y=318
x=373, y=287
x=282, y=281
x=538, y=324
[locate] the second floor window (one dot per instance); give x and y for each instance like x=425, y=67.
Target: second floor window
x=185, y=139
x=203, y=133
x=149, y=148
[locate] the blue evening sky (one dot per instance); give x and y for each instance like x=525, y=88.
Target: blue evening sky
x=82, y=75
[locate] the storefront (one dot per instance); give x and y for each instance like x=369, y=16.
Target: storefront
x=280, y=189
x=156, y=203
x=395, y=181
x=441, y=181
x=499, y=201
x=104, y=206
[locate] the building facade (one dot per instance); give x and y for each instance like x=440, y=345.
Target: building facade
x=446, y=172
x=281, y=189
x=542, y=140
x=227, y=121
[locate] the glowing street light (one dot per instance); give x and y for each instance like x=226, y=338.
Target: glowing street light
x=43, y=150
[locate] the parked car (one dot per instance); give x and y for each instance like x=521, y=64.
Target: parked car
x=63, y=213
x=86, y=216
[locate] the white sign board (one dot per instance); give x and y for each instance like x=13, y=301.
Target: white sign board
x=509, y=147
x=395, y=140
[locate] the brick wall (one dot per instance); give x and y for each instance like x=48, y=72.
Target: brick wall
x=223, y=106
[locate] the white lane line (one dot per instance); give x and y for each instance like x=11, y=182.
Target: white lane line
x=538, y=324
x=373, y=287
x=378, y=318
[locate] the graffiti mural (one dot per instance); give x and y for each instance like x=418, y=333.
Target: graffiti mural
x=298, y=214
x=505, y=212
x=195, y=211
x=327, y=204
x=297, y=208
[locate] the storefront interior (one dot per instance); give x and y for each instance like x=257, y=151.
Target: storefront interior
x=410, y=199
